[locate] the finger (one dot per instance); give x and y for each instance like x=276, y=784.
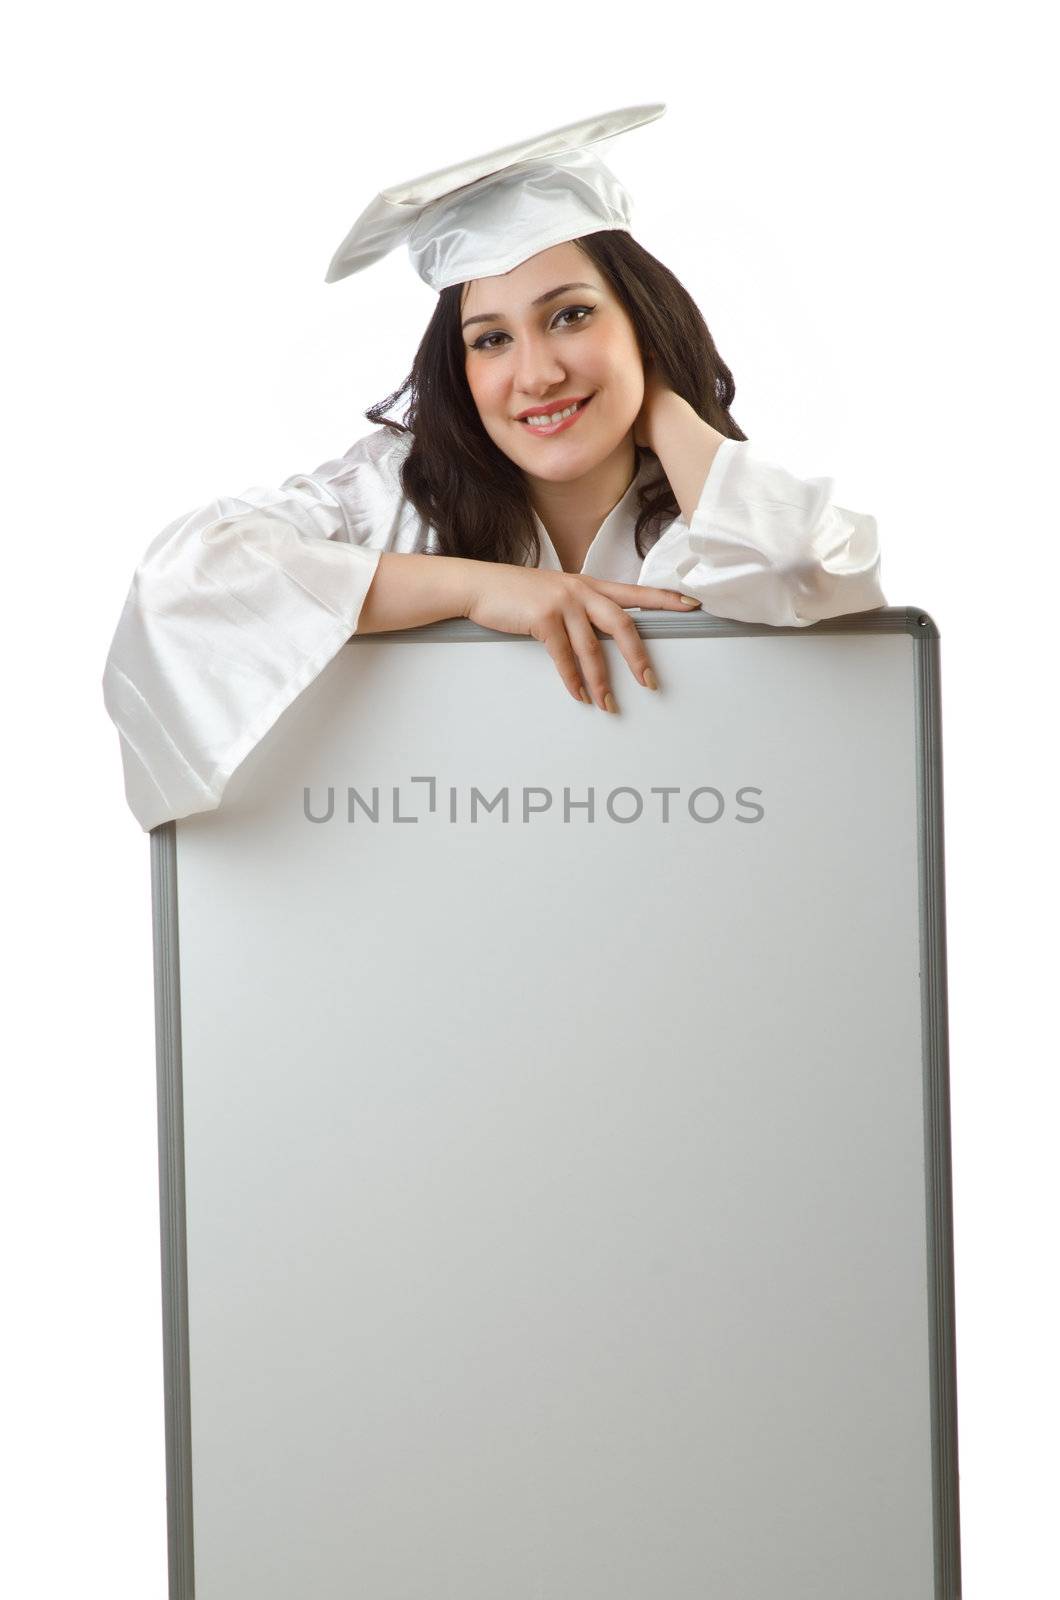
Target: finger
x=590, y=654
x=624, y=631
x=636, y=594
x=557, y=642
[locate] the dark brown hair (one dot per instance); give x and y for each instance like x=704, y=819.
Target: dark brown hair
x=477, y=499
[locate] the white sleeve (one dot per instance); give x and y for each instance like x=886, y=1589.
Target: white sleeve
x=766, y=546
x=233, y=610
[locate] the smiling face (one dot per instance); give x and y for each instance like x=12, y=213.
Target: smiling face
x=536, y=339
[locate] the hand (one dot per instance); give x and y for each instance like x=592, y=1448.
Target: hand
x=655, y=388
x=561, y=609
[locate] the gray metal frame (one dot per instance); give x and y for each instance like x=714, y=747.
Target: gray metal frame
x=937, y=1154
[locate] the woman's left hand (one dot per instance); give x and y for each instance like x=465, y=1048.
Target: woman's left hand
x=655, y=389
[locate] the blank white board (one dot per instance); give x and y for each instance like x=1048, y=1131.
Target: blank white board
x=556, y=1203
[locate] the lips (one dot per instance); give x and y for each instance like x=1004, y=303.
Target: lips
x=554, y=428
x=555, y=405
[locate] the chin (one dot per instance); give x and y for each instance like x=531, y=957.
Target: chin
x=577, y=458
x=559, y=472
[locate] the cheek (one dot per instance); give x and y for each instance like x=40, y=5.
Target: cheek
x=623, y=365
x=625, y=377
x=483, y=392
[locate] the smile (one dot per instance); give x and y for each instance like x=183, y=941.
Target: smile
x=566, y=419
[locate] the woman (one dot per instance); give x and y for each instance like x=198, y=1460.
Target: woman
x=568, y=454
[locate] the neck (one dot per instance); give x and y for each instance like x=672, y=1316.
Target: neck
x=573, y=512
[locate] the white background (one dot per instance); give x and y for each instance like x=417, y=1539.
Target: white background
x=862, y=204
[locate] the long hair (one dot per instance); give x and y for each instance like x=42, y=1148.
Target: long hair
x=477, y=499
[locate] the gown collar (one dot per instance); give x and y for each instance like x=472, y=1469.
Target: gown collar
x=613, y=552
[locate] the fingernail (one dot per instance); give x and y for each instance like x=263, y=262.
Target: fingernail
x=586, y=696
x=650, y=679
x=609, y=702
x=686, y=600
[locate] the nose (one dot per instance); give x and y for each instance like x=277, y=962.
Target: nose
x=538, y=369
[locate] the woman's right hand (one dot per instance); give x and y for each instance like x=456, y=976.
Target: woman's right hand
x=561, y=609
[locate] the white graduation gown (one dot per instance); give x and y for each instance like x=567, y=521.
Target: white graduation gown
x=237, y=606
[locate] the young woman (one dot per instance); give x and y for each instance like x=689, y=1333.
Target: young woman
x=567, y=454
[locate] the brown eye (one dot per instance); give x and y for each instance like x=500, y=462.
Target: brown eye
x=583, y=312
x=484, y=342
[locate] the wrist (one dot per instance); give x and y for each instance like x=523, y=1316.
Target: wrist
x=686, y=447
x=670, y=411
x=466, y=578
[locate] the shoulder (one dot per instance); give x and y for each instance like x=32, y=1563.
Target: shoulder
x=377, y=457
x=366, y=482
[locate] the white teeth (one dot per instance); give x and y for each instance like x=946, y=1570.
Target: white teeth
x=547, y=422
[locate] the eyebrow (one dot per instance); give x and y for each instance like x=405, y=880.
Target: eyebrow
x=550, y=294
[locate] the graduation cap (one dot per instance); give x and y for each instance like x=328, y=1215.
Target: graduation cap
x=485, y=216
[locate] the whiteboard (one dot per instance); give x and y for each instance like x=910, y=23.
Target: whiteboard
x=554, y=1130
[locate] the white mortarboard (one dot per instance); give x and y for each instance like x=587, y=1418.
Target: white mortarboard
x=485, y=216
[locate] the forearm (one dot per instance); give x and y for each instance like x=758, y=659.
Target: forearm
x=409, y=591
x=686, y=447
